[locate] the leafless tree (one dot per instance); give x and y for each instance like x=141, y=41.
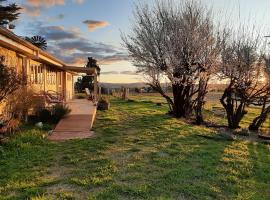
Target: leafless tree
x=264, y=99
x=177, y=43
x=10, y=80
x=243, y=69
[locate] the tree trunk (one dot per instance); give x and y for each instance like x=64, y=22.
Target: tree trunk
x=200, y=100
x=181, y=105
x=159, y=89
x=234, y=115
x=182, y=101
x=199, y=115
x=258, y=121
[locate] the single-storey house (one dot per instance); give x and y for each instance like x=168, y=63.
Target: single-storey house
x=43, y=71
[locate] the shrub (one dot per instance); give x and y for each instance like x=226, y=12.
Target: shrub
x=103, y=103
x=44, y=115
x=20, y=102
x=9, y=126
x=10, y=80
x=59, y=111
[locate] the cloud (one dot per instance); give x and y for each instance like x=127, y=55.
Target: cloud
x=45, y=3
x=93, y=25
x=110, y=73
x=84, y=46
x=117, y=73
x=34, y=8
x=73, y=48
x=52, y=33
x=31, y=11
x=129, y=73
x=56, y=18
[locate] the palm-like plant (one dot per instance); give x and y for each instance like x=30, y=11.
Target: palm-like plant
x=38, y=41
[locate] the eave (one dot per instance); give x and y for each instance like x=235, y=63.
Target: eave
x=13, y=42
x=88, y=71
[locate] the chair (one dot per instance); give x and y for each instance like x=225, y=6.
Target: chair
x=89, y=94
x=53, y=97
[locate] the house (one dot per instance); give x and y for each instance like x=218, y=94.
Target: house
x=42, y=70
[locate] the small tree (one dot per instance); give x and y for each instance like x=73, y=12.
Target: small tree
x=8, y=13
x=242, y=68
x=10, y=80
x=176, y=43
x=92, y=63
x=264, y=99
x=88, y=81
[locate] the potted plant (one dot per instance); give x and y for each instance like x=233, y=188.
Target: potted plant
x=103, y=104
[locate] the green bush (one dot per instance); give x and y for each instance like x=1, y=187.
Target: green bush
x=103, y=103
x=44, y=115
x=59, y=111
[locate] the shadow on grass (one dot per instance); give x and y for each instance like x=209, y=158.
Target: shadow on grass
x=163, y=157
x=138, y=152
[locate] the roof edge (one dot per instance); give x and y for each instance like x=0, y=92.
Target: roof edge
x=9, y=34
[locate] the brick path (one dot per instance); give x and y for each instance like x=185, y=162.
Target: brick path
x=78, y=124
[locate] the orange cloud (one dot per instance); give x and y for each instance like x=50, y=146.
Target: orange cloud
x=93, y=25
x=35, y=7
x=45, y=3
x=31, y=11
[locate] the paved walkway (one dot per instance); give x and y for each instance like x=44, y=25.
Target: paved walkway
x=78, y=124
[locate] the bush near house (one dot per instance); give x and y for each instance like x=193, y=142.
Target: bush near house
x=59, y=111
x=52, y=115
x=10, y=82
x=43, y=115
x=103, y=103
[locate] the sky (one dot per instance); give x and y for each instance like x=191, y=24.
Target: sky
x=77, y=29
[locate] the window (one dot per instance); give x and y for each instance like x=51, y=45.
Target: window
x=51, y=77
x=36, y=74
x=59, y=78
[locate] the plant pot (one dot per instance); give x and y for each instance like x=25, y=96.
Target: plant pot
x=102, y=105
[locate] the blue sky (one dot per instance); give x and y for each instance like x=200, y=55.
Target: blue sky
x=76, y=29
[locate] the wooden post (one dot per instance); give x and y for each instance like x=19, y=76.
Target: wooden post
x=95, y=88
x=99, y=92
x=125, y=93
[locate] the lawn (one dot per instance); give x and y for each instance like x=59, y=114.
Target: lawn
x=138, y=152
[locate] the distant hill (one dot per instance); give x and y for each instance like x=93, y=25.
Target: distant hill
x=119, y=85
x=212, y=87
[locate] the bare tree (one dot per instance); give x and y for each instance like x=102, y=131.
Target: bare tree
x=264, y=99
x=243, y=69
x=176, y=43
x=10, y=80
x=210, y=60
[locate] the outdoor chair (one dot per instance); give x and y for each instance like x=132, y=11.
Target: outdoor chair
x=53, y=97
x=89, y=95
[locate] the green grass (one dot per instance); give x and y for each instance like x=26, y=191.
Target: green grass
x=138, y=152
